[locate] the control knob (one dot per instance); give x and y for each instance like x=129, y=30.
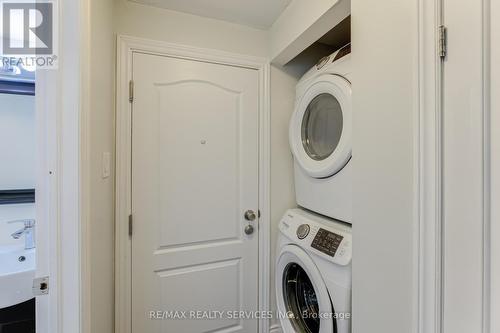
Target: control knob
x=303, y=231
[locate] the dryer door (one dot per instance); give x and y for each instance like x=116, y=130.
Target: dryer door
x=304, y=304
x=320, y=129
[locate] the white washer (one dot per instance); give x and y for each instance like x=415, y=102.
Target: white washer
x=320, y=138
x=313, y=274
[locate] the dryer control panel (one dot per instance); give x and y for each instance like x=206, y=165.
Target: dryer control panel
x=321, y=236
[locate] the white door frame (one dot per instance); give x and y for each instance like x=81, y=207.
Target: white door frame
x=61, y=141
x=428, y=175
x=431, y=305
x=492, y=32
x=126, y=46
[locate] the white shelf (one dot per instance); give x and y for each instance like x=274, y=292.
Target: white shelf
x=302, y=24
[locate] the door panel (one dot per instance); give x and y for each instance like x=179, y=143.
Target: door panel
x=224, y=287
x=207, y=150
x=194, y=174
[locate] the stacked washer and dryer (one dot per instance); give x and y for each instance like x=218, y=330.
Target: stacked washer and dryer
x=313, y=268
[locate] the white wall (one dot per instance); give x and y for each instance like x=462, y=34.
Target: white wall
x=165, y=25
x=282, y=183
x=384, y=102
x=17, y=156
x=101, y=126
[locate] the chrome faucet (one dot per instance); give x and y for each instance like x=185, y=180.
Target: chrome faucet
x=28, y=231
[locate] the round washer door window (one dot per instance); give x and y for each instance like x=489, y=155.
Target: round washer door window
x=322, y=126
x=302, y=297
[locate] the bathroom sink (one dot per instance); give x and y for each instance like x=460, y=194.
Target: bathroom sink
x=17, y=270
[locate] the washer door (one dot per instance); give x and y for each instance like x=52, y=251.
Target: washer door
x=304, y=304
x=320, y=128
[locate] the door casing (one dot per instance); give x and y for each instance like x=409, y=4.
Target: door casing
x=126, y=46
x=437, y=277
x=61, y=178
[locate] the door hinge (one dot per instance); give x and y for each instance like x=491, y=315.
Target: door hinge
x=130, y=225
x=40, y=286
x=131, y=91
x=443, y=41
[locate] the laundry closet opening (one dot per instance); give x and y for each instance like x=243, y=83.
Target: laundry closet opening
x=211, y=152
x=313, y=250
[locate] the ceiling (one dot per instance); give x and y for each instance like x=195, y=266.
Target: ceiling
x=255, y=13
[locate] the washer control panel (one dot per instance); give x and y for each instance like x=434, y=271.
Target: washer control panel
x=327, y=241
x=326, y=238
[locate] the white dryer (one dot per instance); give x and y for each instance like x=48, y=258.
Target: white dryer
x=320, y=138
x=313, y=274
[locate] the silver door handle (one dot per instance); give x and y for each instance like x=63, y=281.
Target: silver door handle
x=250, y=215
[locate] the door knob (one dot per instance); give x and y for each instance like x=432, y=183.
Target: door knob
x=249, y=229
x=250, y=215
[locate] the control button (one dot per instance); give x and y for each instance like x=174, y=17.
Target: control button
x=303, y=231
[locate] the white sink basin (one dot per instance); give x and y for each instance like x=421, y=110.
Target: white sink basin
x=17, y=270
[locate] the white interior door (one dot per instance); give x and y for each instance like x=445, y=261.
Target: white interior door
x=194, y=175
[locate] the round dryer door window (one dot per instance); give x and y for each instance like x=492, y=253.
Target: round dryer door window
x=320, y=129
x=322, y=126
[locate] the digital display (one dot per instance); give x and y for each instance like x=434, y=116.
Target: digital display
x=327, y=242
